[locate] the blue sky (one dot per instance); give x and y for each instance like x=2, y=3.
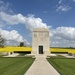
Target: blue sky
x=46, y=10
x=19, y=17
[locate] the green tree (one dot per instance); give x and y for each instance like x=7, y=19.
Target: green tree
x=21, y=44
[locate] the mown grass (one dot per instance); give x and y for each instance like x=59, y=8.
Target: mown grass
x=15, y=66
x=65, y=66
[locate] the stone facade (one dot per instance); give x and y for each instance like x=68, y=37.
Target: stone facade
x=40, y=41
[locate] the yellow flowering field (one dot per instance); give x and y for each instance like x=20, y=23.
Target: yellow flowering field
x=62, y=50
x=59, y=50
x=12, y=49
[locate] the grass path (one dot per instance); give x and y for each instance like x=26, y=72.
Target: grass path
x=14, y=66
x=64, y=66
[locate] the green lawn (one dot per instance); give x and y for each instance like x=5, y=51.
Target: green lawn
x=15, y=66
x=64, y=66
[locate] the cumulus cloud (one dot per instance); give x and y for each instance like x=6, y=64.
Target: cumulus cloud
x=12, y=37
x=30, y=21
x=13, y=19
x=63, y=37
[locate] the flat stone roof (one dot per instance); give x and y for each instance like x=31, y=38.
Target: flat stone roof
x=40, y=29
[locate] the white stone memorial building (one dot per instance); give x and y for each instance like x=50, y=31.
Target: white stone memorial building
x=40, y=41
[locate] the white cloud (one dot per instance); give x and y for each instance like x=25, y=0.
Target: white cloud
x=13, y=19
x=30, y=21
x=63, y=36
x=63, y=8
x=12, y=37
x=67, y=33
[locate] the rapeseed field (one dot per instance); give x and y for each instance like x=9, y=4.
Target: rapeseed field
x=12, y=49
